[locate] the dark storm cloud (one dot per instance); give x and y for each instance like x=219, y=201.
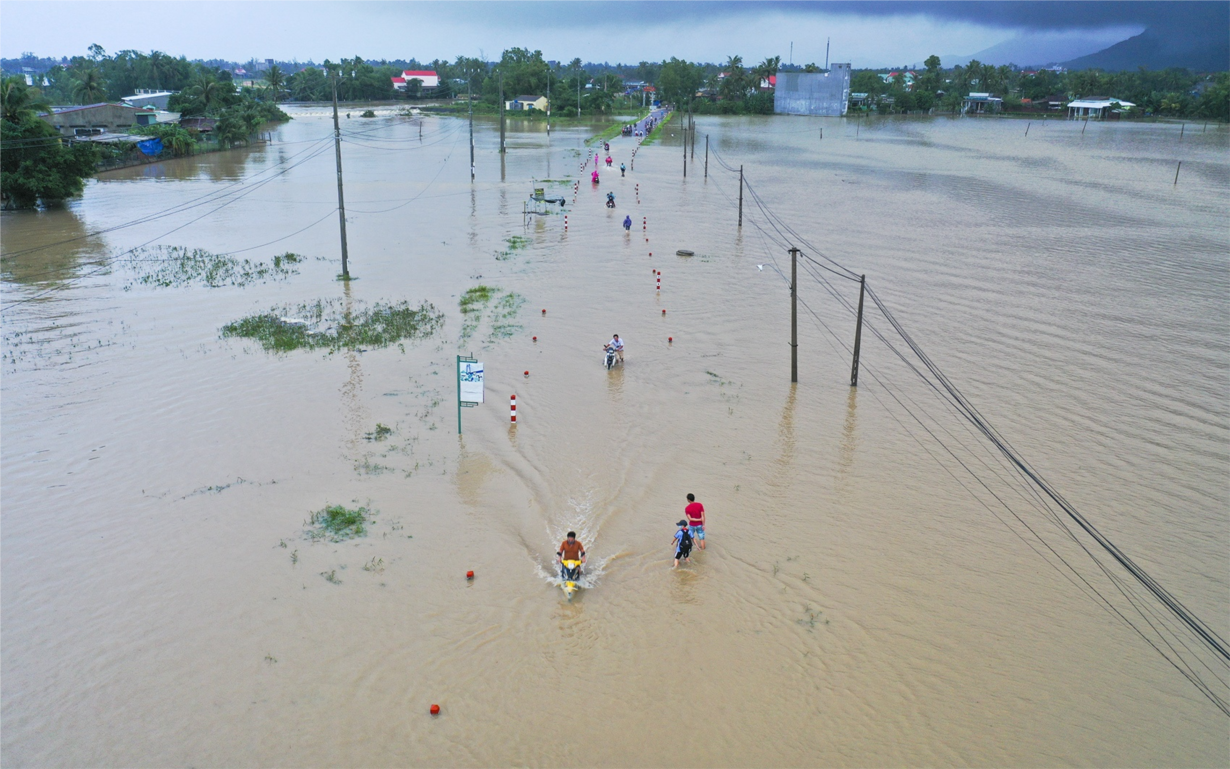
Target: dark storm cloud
x=626, y=16
x=1047, y=15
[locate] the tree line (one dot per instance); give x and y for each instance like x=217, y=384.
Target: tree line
x=1168, y=92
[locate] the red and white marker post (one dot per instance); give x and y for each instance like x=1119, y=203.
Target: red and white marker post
x=512, y=406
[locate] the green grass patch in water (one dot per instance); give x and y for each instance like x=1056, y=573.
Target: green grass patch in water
x=171, y=266
x=325, y=324
x=498, y=305
x=337, y=523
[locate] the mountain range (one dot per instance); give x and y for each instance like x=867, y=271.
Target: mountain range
x=1195, y=40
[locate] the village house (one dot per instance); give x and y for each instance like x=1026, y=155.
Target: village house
x=148, y=98
x=981, y=103
x=428, y=77
x=1097, y=107
x=95, y=119
x=527, y=103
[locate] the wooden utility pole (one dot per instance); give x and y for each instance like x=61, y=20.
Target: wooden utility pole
x=858, y=330
x=794, y=315
x=685, y=147
x=706, y=156
x=341, y=199
x=693, y=132
x=501, y=113
x=548, y=102
x=740, y=197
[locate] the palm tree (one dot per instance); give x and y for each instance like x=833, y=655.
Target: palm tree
x=734, y=85
x=276, y=79
x=766, y=69
x=207, y=90
x=89, y=88
x=19, y=101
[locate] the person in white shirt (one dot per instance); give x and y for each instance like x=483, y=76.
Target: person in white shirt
x=617, y=345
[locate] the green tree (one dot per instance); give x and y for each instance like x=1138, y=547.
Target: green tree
x=276, y=80
x=207, y=94
x=37, y=167
x=765, y=69
x=89, y=87
x=1215, y=101
x=20, y=101
x=309, y=85
x=734, y=85
x=679, y=81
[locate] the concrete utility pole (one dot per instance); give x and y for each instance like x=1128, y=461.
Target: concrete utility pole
x=706, y=156
x=341, y=200
x=685, y=147
x=579, y=94
x=470, y=99
x=740, y=197
x=548, y=102
x=858, y=331
x=794, y=315
x=501, y=113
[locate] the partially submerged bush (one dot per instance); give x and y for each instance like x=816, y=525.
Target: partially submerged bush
x=326, y=324
x=337, y=523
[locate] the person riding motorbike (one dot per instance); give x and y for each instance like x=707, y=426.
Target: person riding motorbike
x=570, y=549
x=610, y=200
x=595, y=177
x=617, y=345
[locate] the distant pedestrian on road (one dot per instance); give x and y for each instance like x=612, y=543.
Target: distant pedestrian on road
x=695, y=512
x=627, y=223
x=683, y=544
x=621, y=169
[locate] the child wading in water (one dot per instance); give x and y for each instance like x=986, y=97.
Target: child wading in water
x=683, y=544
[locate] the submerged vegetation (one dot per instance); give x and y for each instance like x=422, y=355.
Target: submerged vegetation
x=337, y=523
x=167, y=266
x=329, y=325
x=494, y=304
x=513, y=243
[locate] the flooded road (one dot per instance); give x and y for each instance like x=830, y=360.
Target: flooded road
x=862, y=601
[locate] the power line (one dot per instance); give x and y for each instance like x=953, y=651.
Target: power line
x=1038, y=492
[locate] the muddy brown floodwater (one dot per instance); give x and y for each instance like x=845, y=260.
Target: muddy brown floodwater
x=863, y=601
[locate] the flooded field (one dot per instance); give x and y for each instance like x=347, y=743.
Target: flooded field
x=235, y=549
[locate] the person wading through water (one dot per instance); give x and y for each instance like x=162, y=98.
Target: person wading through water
x=683, y=544
x=695, y=512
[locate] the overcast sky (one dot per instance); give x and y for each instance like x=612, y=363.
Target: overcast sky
x=867, y=34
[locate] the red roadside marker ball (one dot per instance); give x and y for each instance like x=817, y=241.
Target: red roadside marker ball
x=664, y=312
x=670, y=339
x=527, y=373
x=544, y=312
x=469, y=575
x=535, y=339
x=435, y=710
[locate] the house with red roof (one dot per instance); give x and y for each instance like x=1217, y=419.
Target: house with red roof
x=428, y=77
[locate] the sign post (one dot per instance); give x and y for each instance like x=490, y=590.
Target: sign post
x=469, y=385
